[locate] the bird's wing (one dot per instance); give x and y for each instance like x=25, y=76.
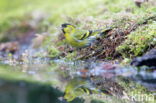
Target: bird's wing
x=82, y=34
x=90, y=33
x=106, y=30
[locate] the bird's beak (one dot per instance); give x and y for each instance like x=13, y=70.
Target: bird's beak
x=59, y=28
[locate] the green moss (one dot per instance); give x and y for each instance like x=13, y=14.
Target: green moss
x=139, y=41
x=53, y=52
x=71, y=55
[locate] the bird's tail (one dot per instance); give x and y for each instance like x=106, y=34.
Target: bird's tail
x=91, y=40
x=106, y=30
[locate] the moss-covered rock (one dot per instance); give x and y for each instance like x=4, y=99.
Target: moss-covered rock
x=139, y=41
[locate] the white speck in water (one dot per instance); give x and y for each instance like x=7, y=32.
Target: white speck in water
x=31, y=72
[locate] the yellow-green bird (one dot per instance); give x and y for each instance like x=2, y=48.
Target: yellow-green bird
x=78, y=87
x=81, y=38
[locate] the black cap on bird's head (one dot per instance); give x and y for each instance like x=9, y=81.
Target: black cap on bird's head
x=65, y=25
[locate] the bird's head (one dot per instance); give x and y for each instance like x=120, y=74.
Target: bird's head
x=67, y=28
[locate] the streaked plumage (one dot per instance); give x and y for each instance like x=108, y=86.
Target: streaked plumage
x=81, y=38
x=78, y=87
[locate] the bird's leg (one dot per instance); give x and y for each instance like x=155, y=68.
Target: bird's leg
x=78, y=49
x=70, y=49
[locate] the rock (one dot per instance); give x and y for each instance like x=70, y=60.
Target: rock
x=149, y=59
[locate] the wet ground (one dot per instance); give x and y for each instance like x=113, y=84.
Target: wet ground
x=88, y=81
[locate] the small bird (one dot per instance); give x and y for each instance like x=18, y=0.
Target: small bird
x=81, y=38
x=78, y=87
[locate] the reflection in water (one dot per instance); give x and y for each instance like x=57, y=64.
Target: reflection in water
x=106, y=78
x=77, y=87
x=82, y=79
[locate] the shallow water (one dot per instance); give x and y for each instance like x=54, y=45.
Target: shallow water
x=85, y=80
